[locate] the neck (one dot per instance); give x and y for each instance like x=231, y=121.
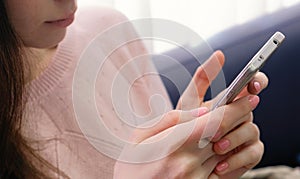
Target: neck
x=37, y=62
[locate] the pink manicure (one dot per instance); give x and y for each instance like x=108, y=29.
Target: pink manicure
x=257, y=86
x=223, y=144
x=222, y=166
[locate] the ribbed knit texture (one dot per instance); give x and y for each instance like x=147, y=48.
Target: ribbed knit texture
x=50, y=122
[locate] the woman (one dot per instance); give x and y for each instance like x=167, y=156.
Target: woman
x=40, y=136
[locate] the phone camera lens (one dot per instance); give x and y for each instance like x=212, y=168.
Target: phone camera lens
x=275, y=42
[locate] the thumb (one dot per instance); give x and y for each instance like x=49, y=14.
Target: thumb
x=165, y=122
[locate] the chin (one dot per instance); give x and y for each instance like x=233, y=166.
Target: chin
x=46, y=41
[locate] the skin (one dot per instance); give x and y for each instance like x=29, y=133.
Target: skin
x=30, y=19
x=244, y=139
x=236, y=128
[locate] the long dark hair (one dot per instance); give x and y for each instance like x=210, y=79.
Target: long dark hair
x=17, y=159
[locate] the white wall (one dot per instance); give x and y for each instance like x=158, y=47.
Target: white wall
x=206, y=17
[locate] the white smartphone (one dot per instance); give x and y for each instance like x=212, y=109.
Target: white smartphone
x=254, y=65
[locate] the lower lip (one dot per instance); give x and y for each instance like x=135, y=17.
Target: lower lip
x=63, y=23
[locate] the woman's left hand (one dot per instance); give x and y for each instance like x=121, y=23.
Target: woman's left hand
x=194, y=94
x=246, y=136
x=239, y=159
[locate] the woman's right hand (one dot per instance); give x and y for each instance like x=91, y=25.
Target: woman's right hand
x=169, y=149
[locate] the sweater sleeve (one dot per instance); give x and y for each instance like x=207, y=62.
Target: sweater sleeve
x=126, y=91
x=117, y=84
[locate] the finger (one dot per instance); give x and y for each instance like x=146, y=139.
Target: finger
x=204, y=75
x=213, y=176
x=191, y=164
x=226, y=127
x=213, y=101
x=201, y=154
x=248, y=132
x=205, y=169
x=248, y=157
x=256, y=85
x=234, y=174
x=206, y=152
x=224, y=119
x=166, y=121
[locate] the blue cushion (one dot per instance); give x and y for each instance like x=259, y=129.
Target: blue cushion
x=277, y=114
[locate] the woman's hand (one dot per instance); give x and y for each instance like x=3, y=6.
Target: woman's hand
x=241, y=145
x=246, y=136
x=169, y=149
x=194, y=94
x=176, y=136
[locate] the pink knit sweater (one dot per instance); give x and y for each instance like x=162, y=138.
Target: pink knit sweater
x=50, y=122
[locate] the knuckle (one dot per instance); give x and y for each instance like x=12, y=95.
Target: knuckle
x=201, y=74
x=182, y=171
x=172, y=115
x=255, y=153
x=251, y=117
x=183, y=168
x=254, y=130
x=199, y=70
x=245, y=106
x=248, y=117
x=262, y=147
x=223, y=126
x=226, y=118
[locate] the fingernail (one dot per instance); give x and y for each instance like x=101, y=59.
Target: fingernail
x=257, y=86
x=223, y=144
x=199, y=111
x=222, y=166
x=254, y=100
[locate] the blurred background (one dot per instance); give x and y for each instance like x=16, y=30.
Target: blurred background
x=206, y=17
